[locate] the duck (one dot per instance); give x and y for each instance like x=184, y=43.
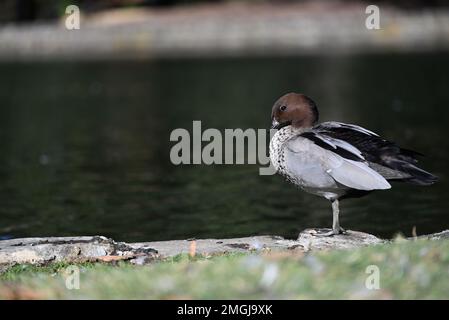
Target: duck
x=336, y=160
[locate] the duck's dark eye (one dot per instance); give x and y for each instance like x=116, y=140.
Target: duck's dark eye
x=283, y=108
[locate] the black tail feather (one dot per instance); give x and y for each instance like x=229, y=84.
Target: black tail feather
x=417, y=176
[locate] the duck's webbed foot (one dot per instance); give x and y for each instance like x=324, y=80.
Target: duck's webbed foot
x=332, y=232
x=336, y=229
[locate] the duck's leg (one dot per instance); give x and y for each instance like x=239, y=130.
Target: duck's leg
x=336, y=229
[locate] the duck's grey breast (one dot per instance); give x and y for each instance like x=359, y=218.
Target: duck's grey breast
x=303, y=164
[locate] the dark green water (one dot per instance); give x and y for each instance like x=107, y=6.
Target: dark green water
x=84, y=147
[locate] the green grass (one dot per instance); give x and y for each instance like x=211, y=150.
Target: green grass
x=410, y=270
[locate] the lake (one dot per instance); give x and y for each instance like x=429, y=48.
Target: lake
x=85, y=145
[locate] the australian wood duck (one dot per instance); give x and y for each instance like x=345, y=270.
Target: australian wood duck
x=336, y=160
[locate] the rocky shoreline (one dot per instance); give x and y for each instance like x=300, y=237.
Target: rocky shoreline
x=41, y=251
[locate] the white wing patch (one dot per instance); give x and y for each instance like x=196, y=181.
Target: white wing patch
x=341, y=144
x=335, y=124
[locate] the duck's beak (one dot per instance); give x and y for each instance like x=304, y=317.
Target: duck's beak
x=279, y=125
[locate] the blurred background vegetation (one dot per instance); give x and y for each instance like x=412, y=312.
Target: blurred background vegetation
x=32, y=10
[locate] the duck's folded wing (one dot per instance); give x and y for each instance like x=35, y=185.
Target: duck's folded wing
x=383, y=156
x=350, y=173
x=372, y=147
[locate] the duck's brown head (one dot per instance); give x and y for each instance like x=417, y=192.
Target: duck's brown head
x=294, y=109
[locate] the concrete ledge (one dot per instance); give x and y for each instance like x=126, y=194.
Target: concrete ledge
x=97, y=248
